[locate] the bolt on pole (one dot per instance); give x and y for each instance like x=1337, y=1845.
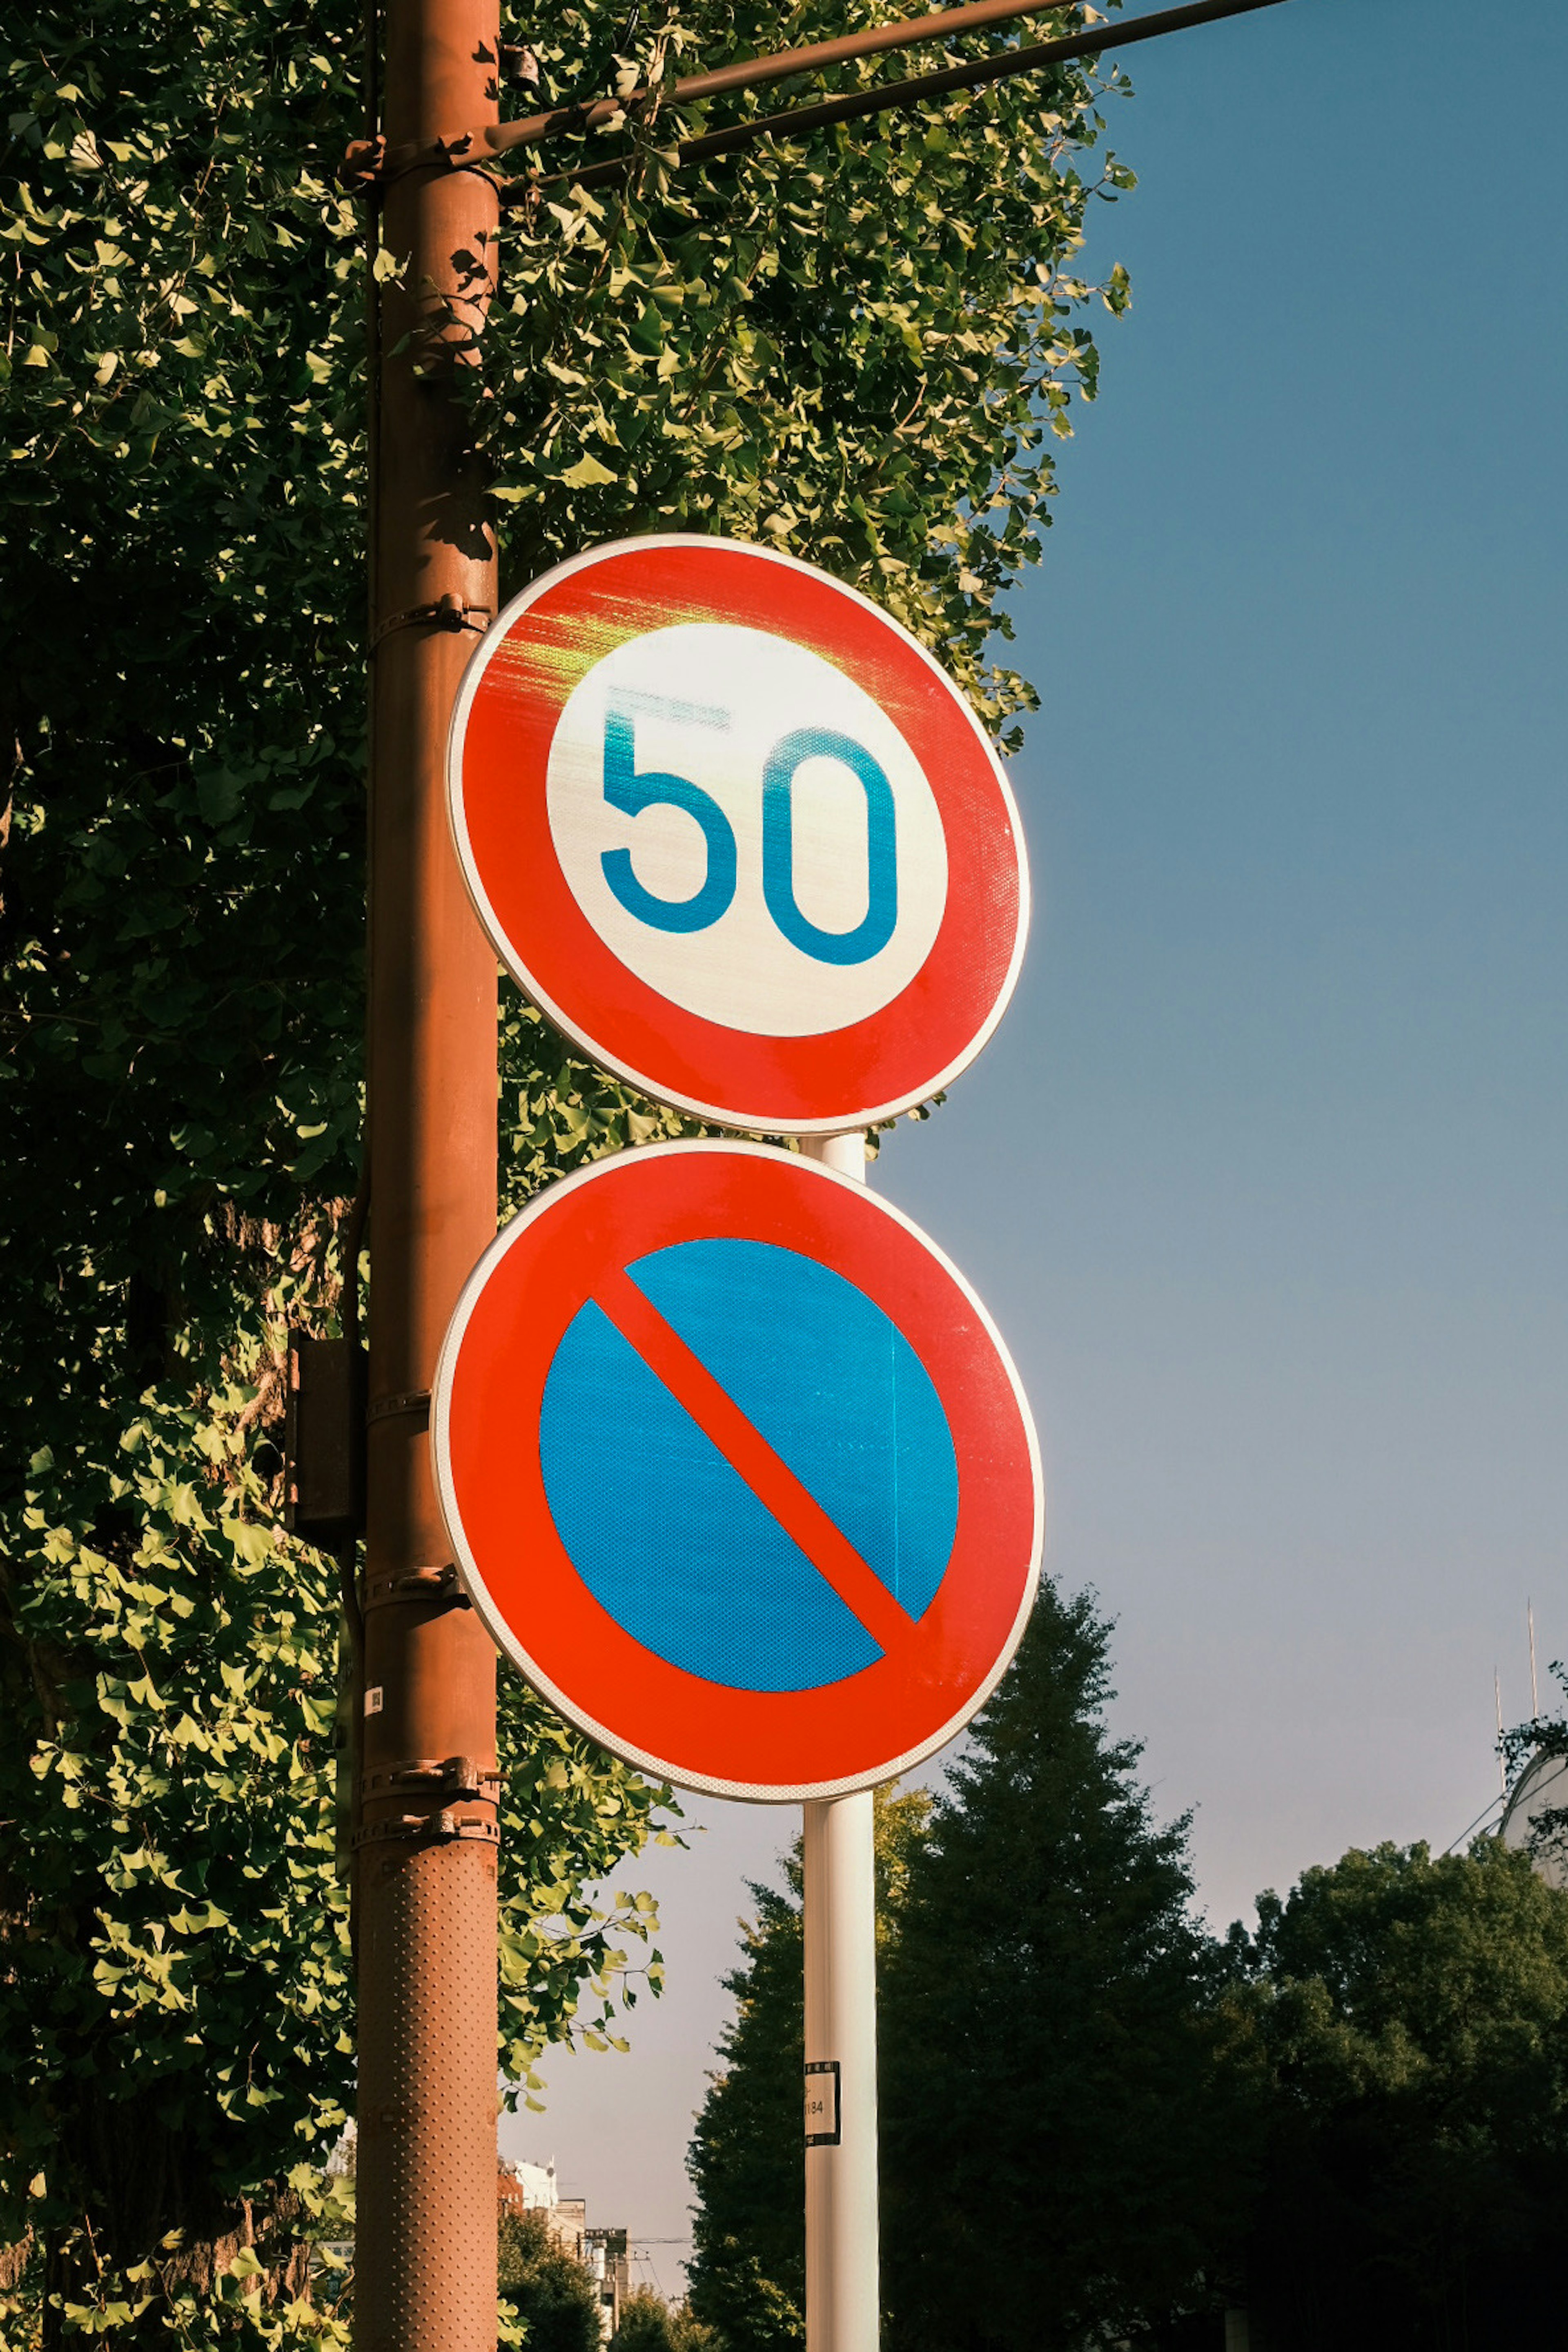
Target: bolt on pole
x=843, y=2293
x=426, y=1845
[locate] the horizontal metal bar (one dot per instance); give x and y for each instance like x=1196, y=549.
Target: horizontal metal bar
x=370, y=160
x=795, y=120
x=751, y=73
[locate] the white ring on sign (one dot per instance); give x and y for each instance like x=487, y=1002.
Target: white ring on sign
x=500, y=1626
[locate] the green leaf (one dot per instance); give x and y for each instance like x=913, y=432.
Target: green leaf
x=586, y=474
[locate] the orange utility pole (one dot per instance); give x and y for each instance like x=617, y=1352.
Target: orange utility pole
x=426, y=1841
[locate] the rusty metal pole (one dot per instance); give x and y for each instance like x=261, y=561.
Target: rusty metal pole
x=426, y=1846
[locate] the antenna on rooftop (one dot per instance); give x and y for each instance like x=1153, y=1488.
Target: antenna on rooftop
x=1501, y=1768
x=1535, y=1696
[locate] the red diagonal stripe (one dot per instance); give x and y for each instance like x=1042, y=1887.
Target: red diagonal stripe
x=772, y=1482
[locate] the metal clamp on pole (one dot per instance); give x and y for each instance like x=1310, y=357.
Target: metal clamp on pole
x=449, y=612
x=416, y=1584
x=392, y=1408
x=453, y=1776
x=369, y=167
x=429, y=1829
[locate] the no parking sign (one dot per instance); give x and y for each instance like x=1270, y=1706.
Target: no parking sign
x=737, y=1470
x=738, y=834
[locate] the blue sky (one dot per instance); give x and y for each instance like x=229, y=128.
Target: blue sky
x=1264, y=1173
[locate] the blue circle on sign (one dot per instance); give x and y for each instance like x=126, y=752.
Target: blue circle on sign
x=664, y=1530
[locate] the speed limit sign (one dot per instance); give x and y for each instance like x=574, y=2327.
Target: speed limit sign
x=737, y=834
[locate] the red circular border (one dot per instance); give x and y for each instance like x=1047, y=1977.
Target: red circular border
x=485, y=1434
x=504, y=726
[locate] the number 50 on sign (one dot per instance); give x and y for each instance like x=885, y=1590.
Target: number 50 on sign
x=736, y=834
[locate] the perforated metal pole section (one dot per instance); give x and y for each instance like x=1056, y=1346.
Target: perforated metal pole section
x=426, y=1882
x=425, y=2267
x=842, y=2258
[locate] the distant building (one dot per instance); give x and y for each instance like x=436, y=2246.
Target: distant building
x=603, y=2254
x=609, y=2265
x=342, y=2160
x=340, y=2166
x=528, y=2188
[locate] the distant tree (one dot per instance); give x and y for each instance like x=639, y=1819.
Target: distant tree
x=690, y=2334
x=1060, y=2119
x=649, y=2324
x=747, y=2159
x=1413, y=2015
x=644, y=2324
x=548, y=2289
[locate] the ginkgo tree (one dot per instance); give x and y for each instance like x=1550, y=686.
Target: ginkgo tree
x=858, y=347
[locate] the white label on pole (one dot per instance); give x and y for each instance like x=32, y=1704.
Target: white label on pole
x=373, y=1699
x=822, y=2103
x=746, y=830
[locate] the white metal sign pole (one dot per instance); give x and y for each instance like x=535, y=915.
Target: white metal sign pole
x=842, y=2268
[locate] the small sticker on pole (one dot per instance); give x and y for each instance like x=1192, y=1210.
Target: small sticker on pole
x=821, y=2107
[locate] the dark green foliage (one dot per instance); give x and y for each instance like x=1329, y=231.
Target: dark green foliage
x=1412, y=2017
x=1052, y=2093
x=649, y=2324
x=645, y=2324
x=181, y=948
x=748, y=2272
x=854, y=349
x=1097, y=2125
x=549, y=2291
x=747, y=2159
x=1057, y=2117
